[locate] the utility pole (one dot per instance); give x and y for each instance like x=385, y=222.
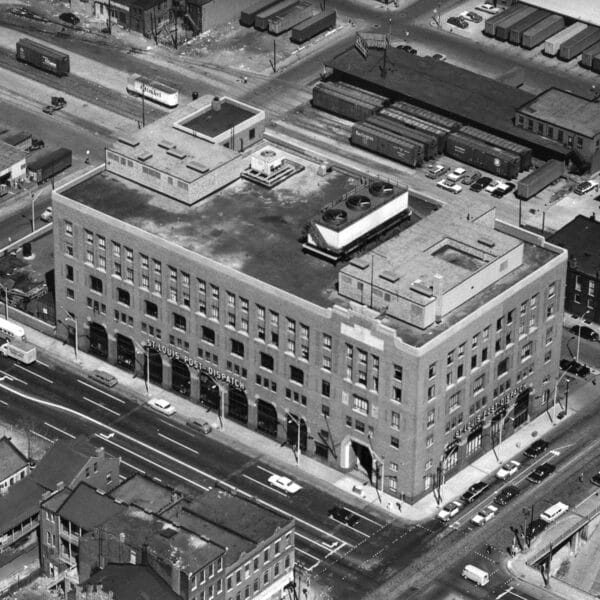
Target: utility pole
x=109, y=22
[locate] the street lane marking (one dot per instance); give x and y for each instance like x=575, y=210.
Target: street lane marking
x=363, y=517
x=59, y=429
x=39, y=362
x=34, y=373
x=13, y=378
x=42, y=436
x=315, y=558
x=318, y=543
x=178, y=443
x=126, y=463
x=155, y=464
x=266, y=470
x=2, y=402
x=110, y=410
x=110, y=428
x=157, y=479
x=265, y=485
x=350, y=527
x=93, y=387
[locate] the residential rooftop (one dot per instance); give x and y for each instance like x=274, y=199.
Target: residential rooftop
x=565, y=110
x=20, y=503
x=145, y=493
x=11, y=459
x=443, y=87
x=581, y=237
x=9, y=155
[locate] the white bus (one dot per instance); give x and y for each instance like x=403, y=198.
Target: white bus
x=9, y=330
x=153, y=90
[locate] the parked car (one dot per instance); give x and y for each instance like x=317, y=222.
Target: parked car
x=474, y=491
x=572, y=366
x=480, y=184
x=47, y=215
x=343, y=515
x=449, y=511
x=536, y=448
x=407, y=48
x=103, y=377
x=438, y=56
x=484, y=515
x=36, y=144
x=471, y=178
x=49, y=110
x=469, y=15
x=201, y=426
x=534, y=528
x=285, y=484
x=541, y=473
x=449, y=186
x=456, y=175
x=507, y=494
x=596, y=479
x=493, y=186
x=436, y=171
x=489, y=8
x=587, y=333
x=458, y=22
x=508, y=470
x=162, y=406
x=586, y=186
x=503, y=190
x=69, y=18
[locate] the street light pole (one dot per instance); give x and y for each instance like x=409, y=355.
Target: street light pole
x=297, y=421
x=567, y=396
x=32, y=211
x=556, y=396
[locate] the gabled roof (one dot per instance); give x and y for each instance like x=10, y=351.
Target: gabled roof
x=20, y=503
x=63, y=462
x=11, y=458
x=87, y=508
x=132, y=582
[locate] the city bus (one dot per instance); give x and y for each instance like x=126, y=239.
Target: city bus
x=9, y=330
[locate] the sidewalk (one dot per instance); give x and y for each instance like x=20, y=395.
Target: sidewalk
x=356, y=488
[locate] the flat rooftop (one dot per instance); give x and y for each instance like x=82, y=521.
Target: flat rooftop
x=212, y=123
x=442, y=87
x=565, y=110
x=581, y=237
x=580, y=10
x=9, y=155
x=144, y=493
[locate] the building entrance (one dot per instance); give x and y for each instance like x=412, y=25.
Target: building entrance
x=292, y=432
x=180, y=377
x=125, y=352
x=98, y=340
x=521, y=408
x=266, y=418
x=209, y=392
x=238, y=405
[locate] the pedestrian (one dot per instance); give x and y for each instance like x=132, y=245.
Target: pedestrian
x=399, y=506
x=581, y=478
x=488, y=549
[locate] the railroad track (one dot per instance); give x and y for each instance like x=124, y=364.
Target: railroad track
x=83, y=89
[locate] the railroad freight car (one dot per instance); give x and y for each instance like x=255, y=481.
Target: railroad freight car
x=489, y=27
x=516, y=31
x=261, y=20
x=47, y=165
x=523, y=152
x=577, y=44
x=542, y=31
x=291, y=16
x=361, y=93
x=440, y=133
x=587, y=58
x=314, y=26
x=504, y=26
x=427, y=115
x=541, y=178
x=248, y=15
x=385, y=143
x=552, y=45
x=42, y=57
x=483, y=156
x=327, y=97
x=427, y=141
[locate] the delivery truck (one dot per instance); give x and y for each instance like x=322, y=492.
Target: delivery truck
x=24, y=352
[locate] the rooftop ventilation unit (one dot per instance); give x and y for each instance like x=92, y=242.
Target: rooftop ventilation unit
x=166, y=144
x=129, y=142
x=177, y=154
x=335, y=215
x=145, y=156
x=358, y=202
x=421, y=287
x=381, y=188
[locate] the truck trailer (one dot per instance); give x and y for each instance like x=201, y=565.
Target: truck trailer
x=515, y=33
x=49, y=164
x=43, y=57
x=293, y=15
x=542, y=31
x=308, y=29
x=552, y=45
x=24, y=352
x=577, y=44
x=540, y=178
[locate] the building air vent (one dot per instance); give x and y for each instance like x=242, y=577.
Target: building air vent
x=421, y=288
x=177, y=154
x=129, y=142
x=486, y=241
x=381, y=188
x=358, y=202
x=335, y=215
x=389, y=276
x=145, y=156
x=360, y=263
x=196, y=166
x=168, y=532
x=166, y=144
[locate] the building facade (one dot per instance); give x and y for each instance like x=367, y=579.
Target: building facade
x=14, y=466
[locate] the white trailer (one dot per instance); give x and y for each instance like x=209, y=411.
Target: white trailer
x=552, y=45
x=24, y=352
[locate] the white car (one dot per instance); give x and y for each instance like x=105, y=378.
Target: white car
x=508, y=470
x=162, y=406
x=586, y=186
x=488, y=8
x=449, y=511
x=449, y=186
x=47, y=215
x=484, y=515
x=285, y=484
x=494, y=186
x=436, y=171
x=456, y=175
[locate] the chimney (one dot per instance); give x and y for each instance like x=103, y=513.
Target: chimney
x=593, y=217
x=176, y=576
x=216, y=103
x=438, y=281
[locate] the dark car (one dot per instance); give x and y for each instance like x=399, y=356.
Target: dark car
x=201, y=426
x=534, y=528
x=507, y=494
x=507, y=188
x=541, y=473
x=536, y=448
x=572, y=366
x=472, y=178
x=587, y=333
x=458, y=22
x=596, y=479
x=69, y=18
x=474, y=491
x=343, y=515
x=481, y=183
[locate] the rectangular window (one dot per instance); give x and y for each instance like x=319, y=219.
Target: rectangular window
x=327, y=363
x=96, y=284
x=179, y=322
x=454, y=402
x=397, y=394
x=430, y=392
x=157, y=267
x=431, y=370
x=266, y=361
x=397, y=372
x=478, y=384
x=360, y=405
x=430, y=418
x=394, y=442
x=291, y=327
x=526, y=351
x=237, y=348
x=123, y=296
x=325, y=388
x=296, y=375
x=208, y=334
x=326, y=341
x=395, y=424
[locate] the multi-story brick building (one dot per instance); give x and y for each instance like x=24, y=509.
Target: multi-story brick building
x=411, y=358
